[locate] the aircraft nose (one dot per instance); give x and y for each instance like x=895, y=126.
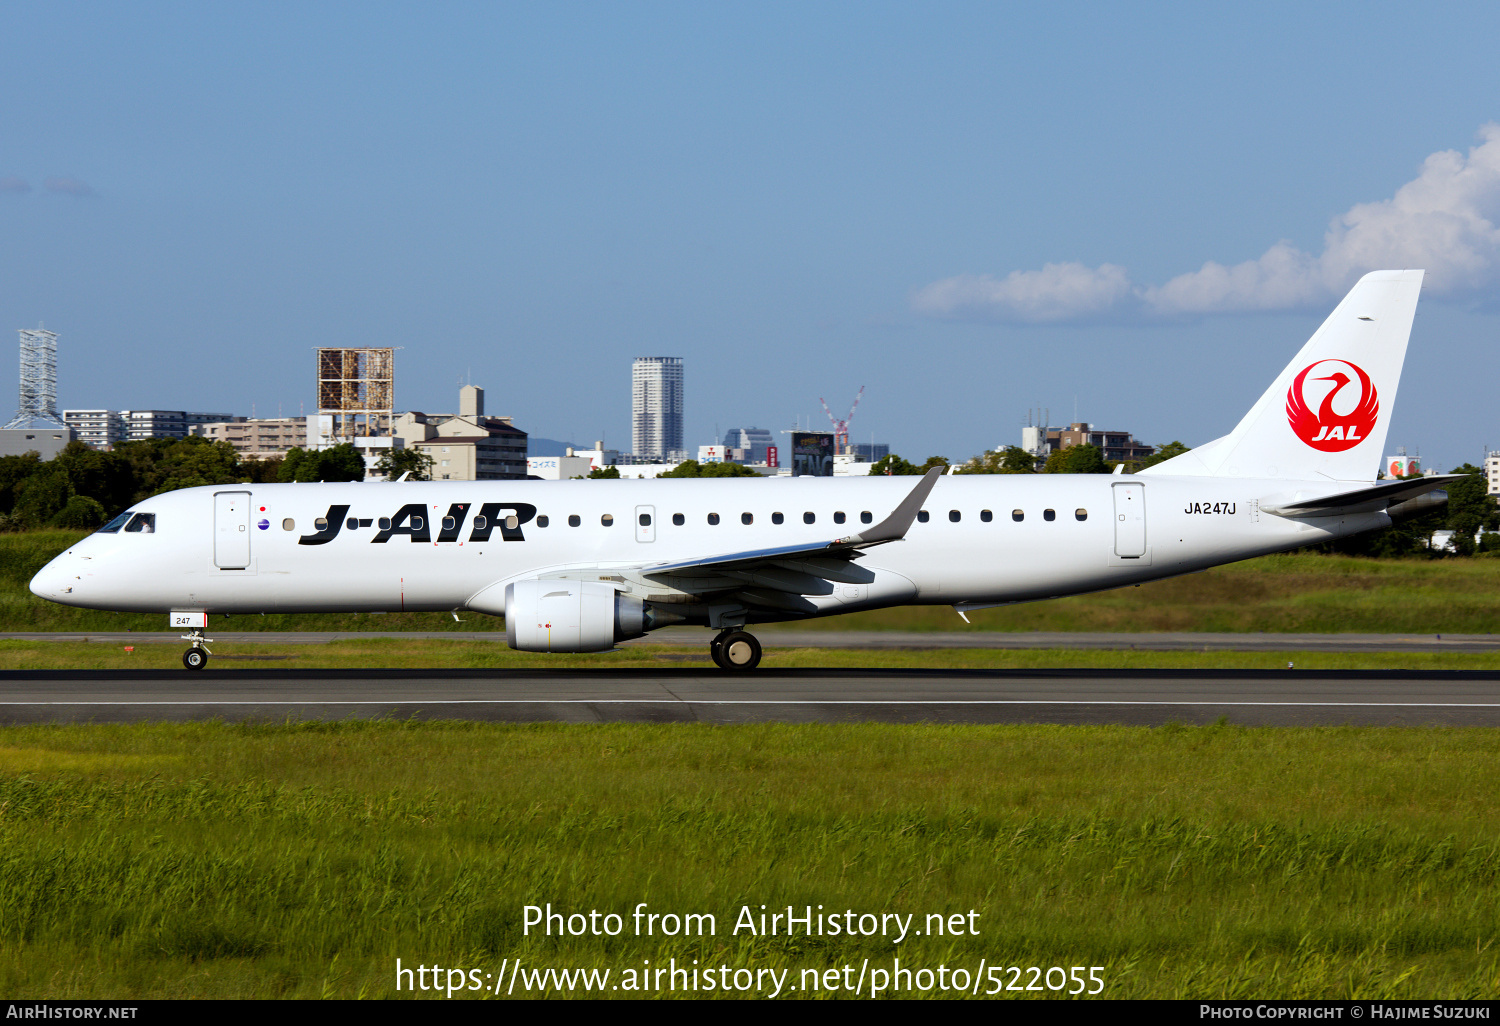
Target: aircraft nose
x=53, y=582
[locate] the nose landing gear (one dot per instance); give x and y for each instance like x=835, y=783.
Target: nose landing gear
x=196, y=658
x=735, y=649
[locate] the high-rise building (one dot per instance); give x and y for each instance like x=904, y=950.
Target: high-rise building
x=656, y=407
x=753, y=440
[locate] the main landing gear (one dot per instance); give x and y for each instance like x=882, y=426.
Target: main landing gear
x=735, y=649
x=196, y=658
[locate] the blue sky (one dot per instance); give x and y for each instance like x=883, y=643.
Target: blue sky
x=969, y=208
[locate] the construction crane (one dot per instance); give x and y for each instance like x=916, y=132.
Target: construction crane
x=841, y=427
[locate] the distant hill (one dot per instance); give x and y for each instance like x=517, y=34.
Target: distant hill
x=536, y=446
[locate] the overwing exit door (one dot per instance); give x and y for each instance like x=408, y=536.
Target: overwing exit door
x=231, y=530
x=645, y=523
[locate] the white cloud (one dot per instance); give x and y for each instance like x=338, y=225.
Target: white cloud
x=14, y=184
x=1057, y=292
x=67, y=186
x=1443, y=220
x=1283, y=278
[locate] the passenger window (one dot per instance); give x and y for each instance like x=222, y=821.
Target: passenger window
x=777, y=518
x=986, y=515
x=573, y=520
x=838, y=518
x=922, y=517
x=118, y=522
x=608, y=520
x=512, y=522
x=1018, y=515
x=678, y=519
x=1081, y=514
x=384, y=523
x=144, y=523
x=955, y=516
x=542, y=520
x=866, y=517
x=479, y=523
x=449, y=523
x=289, y=524
x=1049, y=514
x=644, y=519
x=321, y=524
x=809, y=518
x=747, y=518
x=416, y=523
x=713, y=519
x=352, y=524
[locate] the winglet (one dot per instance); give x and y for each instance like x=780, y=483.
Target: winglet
x=895, y=526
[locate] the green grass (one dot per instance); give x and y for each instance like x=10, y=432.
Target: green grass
x=395, y=653
x=1285, y=593
x=209, y=860
x=1292, y=593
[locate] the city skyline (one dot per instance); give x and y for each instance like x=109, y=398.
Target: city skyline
x=969, y=208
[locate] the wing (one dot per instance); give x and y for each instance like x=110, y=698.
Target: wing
x=771, y=581
x=892, y=528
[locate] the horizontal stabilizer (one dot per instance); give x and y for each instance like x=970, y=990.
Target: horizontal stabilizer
x=1361, y=500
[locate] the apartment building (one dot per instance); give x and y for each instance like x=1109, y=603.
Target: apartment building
x=468, y=446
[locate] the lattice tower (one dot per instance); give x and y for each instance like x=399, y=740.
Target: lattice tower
x=38, y=380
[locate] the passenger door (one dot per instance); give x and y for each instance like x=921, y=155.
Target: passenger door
x=231, y=530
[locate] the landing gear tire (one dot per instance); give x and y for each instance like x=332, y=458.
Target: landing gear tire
x=736, y=650
x=195, y=659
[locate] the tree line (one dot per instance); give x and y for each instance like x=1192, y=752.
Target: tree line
x=1075, y=459
x=82, y=488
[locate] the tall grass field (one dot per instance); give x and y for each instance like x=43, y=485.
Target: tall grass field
x=214, y=860
x=1293, y=593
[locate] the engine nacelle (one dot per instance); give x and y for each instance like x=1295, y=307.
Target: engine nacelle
x=570, y=616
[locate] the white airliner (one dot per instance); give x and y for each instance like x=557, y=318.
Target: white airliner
x=576, y=566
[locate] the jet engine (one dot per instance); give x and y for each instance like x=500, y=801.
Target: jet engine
x=570, y=616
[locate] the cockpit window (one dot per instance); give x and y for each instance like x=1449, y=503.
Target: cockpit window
x=118, y=522
x=144, y=523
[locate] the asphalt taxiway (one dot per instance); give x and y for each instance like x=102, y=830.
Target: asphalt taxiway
x=1143, y=697
x=775, y=637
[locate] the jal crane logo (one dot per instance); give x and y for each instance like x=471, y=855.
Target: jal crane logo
x=1346, y=414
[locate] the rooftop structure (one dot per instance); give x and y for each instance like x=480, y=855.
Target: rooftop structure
x=356, y=393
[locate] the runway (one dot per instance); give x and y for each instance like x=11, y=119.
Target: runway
x=775, y=637
x=1141, y=697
